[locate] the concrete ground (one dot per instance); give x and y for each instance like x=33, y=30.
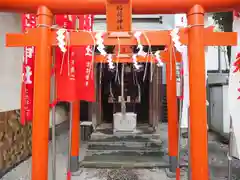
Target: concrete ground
x=217, y=159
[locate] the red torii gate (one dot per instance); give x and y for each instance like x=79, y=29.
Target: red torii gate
x=194, y=36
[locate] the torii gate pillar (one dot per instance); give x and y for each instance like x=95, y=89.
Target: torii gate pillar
x=41, y=100
x=197, y=86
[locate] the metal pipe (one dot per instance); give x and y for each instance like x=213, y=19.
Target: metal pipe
x=98, y=6
x=53, y=115
x=99, y=97
x=179, y=94
x=230, y=149
x=123, y=103
x=178, y=174
x=189, y=145
x=219, y=60
x=70, y=143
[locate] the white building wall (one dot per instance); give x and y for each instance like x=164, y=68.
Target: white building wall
x=211, y=55
x=10, y=64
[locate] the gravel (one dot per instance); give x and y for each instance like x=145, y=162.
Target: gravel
x=122, y=174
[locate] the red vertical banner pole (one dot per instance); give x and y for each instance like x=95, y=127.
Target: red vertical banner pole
x=75, y=110
x=197, y=87
x=23, y=88
x=28, y=21
x=85, y=23
x=41, y=109
x=172, y=111
x=66, y=77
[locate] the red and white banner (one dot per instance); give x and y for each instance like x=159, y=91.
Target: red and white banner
x=234, y=88
x=28, y=21
x=65, y=64
x=74, y=69
x=84, y=64
x=236, y=15
x=236, y=50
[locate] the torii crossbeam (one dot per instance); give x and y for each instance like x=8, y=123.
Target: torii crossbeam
x=99, y=6
x=194, y=36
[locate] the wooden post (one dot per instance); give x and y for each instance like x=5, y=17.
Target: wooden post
x=197, y=86
x=42, y=78
x=172, y=110
x=75, y=110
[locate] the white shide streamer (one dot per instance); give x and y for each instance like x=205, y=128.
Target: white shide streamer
x=101, y=48
x=158, y=58
x=61, y=40
x=140, y=52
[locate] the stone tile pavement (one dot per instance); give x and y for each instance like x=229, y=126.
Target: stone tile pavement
x=217, y=159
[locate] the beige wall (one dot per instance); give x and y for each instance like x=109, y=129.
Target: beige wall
x=10, y=64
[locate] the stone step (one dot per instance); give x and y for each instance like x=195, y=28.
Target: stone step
x=124, y=146
x=136, y=154
x=126, y=151
x=123, y=164
x=142, y=148
x=125, y=159
x=99, y=137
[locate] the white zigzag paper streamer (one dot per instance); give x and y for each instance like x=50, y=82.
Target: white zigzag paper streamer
x=176, y=40
x=101, y=48
x=140, y=52
x=110, y=61
x=159, y=60
x=99, y=43
x=135, y=63
x=61, y=40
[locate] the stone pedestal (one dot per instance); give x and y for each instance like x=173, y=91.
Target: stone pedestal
x=124, y=122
